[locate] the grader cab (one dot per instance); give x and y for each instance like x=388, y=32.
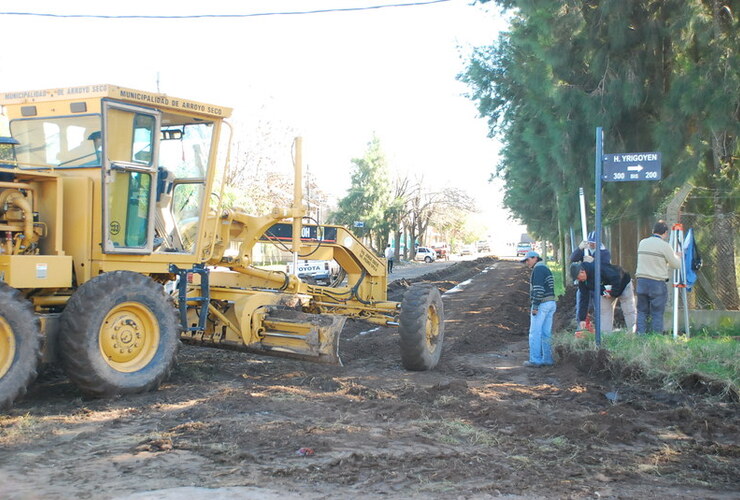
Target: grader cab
x=107, y=194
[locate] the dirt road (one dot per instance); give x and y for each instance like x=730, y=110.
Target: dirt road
x=479, y=426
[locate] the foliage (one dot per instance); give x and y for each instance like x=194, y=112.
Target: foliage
x=260, y=177
x=406, y=206
x=455, y=227
x=429, y=207
x=369, y=196
x=660, y=357
x=657, y=75
x=558, y=276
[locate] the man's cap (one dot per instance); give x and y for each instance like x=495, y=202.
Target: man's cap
x=575, y=269
x=531, y=254
x=592, y=236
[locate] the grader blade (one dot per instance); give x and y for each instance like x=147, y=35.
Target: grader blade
x=294, y=334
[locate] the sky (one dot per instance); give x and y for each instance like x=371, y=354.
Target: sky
x=335, y=78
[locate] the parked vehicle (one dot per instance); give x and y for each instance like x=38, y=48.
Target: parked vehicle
x=442, y=251
x=467, y=250
x=483, y=246
x=425, y=254
x=522, y=248
x=318, y=271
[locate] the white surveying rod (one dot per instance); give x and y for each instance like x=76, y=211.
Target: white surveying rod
x=584, y=229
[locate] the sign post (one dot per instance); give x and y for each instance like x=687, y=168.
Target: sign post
x=597, y=228
x=616, y=167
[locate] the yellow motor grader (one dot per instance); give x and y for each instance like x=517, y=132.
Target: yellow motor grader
x=110, y=195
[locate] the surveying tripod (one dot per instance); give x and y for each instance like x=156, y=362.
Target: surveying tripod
x=679, y=280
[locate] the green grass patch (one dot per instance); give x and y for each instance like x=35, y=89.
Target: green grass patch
x=557, y=273
x=714, y=359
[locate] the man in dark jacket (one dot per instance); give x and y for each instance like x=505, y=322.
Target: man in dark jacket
x=586, y=252
x=616, y=284
x=580, y=255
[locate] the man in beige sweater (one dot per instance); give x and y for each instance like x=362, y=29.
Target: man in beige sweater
x=654, y=258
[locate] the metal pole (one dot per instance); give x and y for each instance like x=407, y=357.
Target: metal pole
x=685, y=287
x=597, y=223
x=673, y=241
x=297, y=211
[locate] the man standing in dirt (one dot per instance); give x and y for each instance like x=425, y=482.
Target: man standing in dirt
x=542, y=297
x=654, y=257
x=389, y=256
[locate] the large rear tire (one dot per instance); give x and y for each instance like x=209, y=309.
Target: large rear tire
x=120, y=335
x=20, y=345
x=421, y=327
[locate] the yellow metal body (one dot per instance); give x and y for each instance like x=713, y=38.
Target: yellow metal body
x=107, y=178
x=129, y=337
x=7, y=346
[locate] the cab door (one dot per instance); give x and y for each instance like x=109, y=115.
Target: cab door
x=131, y=148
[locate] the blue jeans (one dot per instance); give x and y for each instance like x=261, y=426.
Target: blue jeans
x=540, y=332
x=651, y=300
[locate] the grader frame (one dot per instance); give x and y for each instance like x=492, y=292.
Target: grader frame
x=106, y=194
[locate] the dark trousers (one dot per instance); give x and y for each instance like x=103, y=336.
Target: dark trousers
x=651, y=299
x=390, y=266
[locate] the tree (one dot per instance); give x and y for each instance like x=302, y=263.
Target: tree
x=398, y=211
x=455, y=227
x=260, y=175
x=657, y=75
x=702, y=124
x=368, y=198
x=425, y=206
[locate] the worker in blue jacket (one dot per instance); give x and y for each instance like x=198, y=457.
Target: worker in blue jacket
x=585, y=253
x=616, y=284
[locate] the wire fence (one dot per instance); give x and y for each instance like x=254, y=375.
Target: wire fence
x=718, y=241
x=717, y=236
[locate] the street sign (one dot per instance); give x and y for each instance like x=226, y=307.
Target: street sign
x=623, y=167
x=359, y=223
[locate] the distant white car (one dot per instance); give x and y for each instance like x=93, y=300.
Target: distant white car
x=467, y=250
x=425, y=254
x=483, y=246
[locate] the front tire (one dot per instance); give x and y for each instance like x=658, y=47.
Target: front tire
x=120, y=335
x=421, y=327
x=20, y=345
x=428, y=260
